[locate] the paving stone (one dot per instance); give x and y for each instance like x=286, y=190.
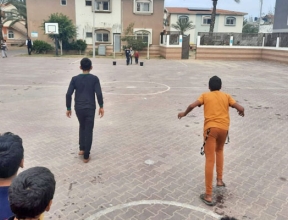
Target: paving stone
x=139, y=125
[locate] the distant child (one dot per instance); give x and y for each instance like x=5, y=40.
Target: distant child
x=136, y=55
x=216, y=126
x=11, y=158
x=131, y=54
x=127, y=54
x=86, y=86
x=31, y=193
x=4, y=48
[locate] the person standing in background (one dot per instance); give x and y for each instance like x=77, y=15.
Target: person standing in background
x=29, y=44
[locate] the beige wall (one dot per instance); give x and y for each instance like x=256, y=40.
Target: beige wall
x=208, y=53
x=152, y=21
x=40, y=10
x=173, y=53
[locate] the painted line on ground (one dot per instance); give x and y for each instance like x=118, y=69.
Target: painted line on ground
x=153, y=202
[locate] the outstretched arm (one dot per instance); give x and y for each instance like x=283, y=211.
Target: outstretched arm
x=189, y=109
x=240, y=109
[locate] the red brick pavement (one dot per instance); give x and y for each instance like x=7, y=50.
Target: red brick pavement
x=139, y=127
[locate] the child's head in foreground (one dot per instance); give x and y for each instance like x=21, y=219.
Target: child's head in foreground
x=85, y=64
x=11, y=154
x=215, y=83
x=31, y=192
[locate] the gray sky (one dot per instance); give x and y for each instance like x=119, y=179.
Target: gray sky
x=252, y=7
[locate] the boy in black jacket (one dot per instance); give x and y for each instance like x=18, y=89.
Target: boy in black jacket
x=86, y=86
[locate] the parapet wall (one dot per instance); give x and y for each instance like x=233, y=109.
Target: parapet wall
x=242, y=53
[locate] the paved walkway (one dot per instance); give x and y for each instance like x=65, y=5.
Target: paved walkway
x=146, y=164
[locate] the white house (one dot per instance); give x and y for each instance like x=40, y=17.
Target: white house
x=107, y=21
x=225, y=22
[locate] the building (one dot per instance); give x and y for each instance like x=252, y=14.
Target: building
x=17, y=33
x=107, y=22
x=40, y=10
x=281, y=16
x=147, y=16
x=108, y=18
x=225, y=22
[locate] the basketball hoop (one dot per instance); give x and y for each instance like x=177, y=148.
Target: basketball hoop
x=51, y=28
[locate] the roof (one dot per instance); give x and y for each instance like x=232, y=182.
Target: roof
x=199, y=11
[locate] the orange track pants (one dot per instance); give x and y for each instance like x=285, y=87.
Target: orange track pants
x=214, y=145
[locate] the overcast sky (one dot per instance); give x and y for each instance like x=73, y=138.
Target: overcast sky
x=252, y=7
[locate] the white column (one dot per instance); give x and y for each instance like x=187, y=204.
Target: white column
x=263, y=42
x=168, y=40
x=198, y=40
x=180, y=40
x=278, y=42
x=231, y=41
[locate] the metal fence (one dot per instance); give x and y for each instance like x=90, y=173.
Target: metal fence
x=174, y=37
x=244, y=39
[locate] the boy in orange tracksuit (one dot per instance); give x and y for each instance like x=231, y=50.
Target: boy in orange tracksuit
x=216, y=126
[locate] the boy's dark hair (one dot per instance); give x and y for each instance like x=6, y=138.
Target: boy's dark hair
x=31, y=192
x=215, y=83
x=86, y=64
x=11, y=154
x=228, y=218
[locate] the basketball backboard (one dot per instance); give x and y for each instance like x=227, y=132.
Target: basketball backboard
x=51, y=28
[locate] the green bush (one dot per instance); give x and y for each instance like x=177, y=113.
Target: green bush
x=79, y=45
x=40, y=46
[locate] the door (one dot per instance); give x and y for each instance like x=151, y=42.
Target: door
x=185, y=47
x=117, y=42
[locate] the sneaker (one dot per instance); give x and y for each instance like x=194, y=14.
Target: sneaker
x=86, y=160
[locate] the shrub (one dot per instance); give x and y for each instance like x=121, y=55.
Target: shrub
x=40, y=46
x=79, y=45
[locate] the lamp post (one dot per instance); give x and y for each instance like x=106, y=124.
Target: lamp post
x=261, y=4
x=93, y=28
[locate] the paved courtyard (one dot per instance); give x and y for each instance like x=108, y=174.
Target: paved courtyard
x=146, y=164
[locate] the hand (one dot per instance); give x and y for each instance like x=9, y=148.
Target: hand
x=101, y=112
x=68, y=113
x=241, y=113
x=181, y=115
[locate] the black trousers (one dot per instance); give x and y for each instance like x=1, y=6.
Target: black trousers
x=127, y=60
x=136, y=60
x=86, y=124
x=29, y=50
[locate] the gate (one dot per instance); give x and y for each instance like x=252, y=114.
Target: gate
x=185, y=47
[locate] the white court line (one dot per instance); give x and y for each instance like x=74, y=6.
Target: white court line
x=76, y=61
x=152, y=202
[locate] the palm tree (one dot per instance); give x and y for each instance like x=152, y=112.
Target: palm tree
x=213, y=16
x=183, y=25
x=19, y=14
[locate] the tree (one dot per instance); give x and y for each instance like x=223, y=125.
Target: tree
x=213, y=16
x=19, y=14
x=183, y=25
x=2, y=17
x=67, y=30
x=133, y=41
x=249, y=28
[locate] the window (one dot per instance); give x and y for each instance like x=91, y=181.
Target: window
x=143, y=6
x=88, y=2
x=230, y=21
x=102, y=5
x=183, y=18
x=142, y=35
x=88, y=34
x=102, y=36
x=10, y=34
x=206, y=20
x=63, y=2
x=8, y=14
